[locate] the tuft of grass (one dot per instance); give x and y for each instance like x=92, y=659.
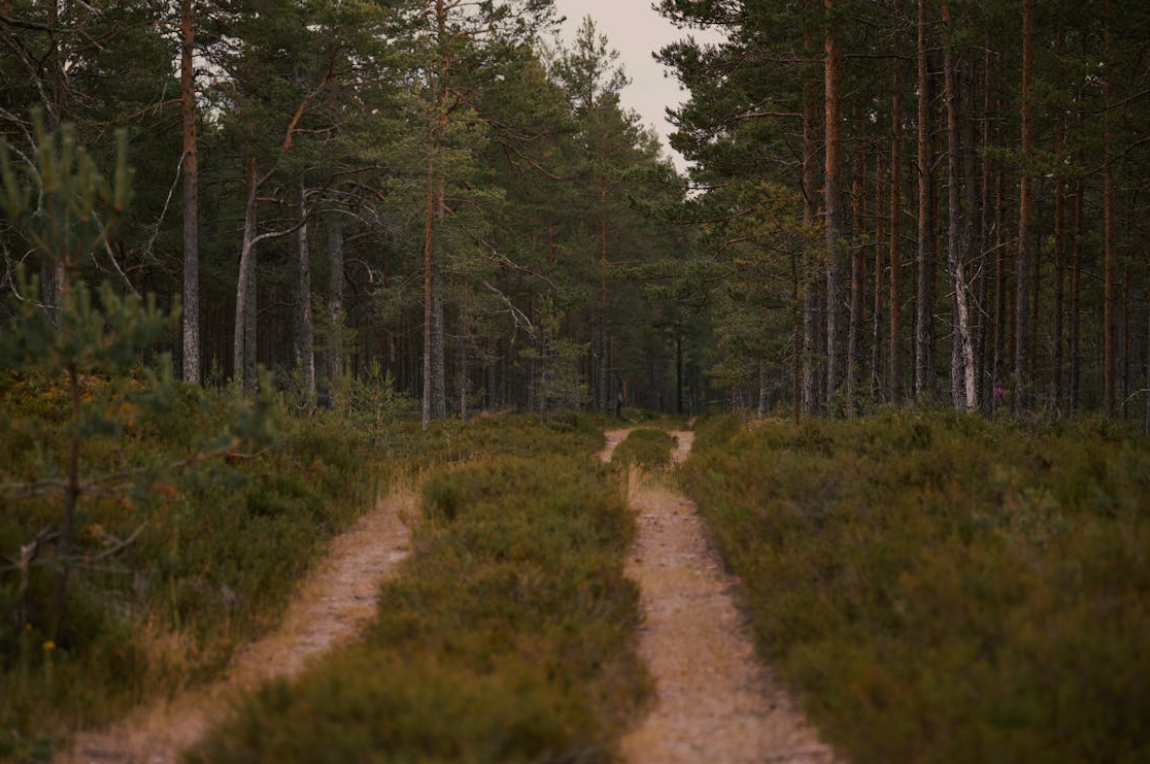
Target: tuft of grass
x=942, y=588
x=508, y=638
x=647, y=448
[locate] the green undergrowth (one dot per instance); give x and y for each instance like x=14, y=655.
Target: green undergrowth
x=943, y=588
x=451, y=440
x=508, y=637
x=220, y=547
x=646, y=448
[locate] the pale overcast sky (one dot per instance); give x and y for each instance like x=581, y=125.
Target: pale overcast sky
x=635, y=30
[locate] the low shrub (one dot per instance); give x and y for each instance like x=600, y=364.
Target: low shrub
x=646, y=448
x=944, y=588
x=219, y=549
x=508, y=638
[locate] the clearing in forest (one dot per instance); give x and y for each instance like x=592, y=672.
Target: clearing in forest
x=715, y=702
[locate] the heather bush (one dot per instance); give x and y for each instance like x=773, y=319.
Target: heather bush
x=943, y=588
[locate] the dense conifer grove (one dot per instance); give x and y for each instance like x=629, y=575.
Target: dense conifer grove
x=888, y=202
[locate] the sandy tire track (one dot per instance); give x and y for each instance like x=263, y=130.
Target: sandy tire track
x=715, y=702
x=334, y=603
x=614, y=438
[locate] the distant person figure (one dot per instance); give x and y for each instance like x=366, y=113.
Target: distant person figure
x=618, y=404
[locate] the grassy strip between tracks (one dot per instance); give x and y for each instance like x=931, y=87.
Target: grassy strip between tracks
x=646, y=448
x=943, y=588
x=509, y=636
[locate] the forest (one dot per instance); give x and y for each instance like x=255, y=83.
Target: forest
x=273, y=269
x=886, y=202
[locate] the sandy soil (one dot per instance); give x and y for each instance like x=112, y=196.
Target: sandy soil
x=334, y=603
x=715, y=702
x=614, y=438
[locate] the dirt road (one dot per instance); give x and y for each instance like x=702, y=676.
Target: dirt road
x=715, y=702
x=333, y=604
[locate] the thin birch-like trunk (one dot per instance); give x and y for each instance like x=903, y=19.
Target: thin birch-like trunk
x=244, y=346
x=305, y=330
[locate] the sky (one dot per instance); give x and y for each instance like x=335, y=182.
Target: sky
x=636, y=30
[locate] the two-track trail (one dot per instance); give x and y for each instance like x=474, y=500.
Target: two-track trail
x=715, y=702
x=334, y=603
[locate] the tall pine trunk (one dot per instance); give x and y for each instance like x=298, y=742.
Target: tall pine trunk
x=810, y=216
x=895, y=344
x=1108, y=322
x=191, y=316
x=1146, y=416
x=858, y=284
x=924, y=323
x=967, y=395
x=1000, y=307
x=434, y=368
x=1059, y=270
x=1023, y=275
x=603, y=379
x=982, y=245
x=428, y=294
x=833, y=204
x=876, y=360
x=335, y=297
x=55, y=274
x=1076, y=300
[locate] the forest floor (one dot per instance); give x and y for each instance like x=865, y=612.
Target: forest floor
x=714, y=700
x=334, y=603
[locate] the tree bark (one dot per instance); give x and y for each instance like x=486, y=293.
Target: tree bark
x=858, y=285
x=1146, y=384
x=191, y=315
x=428, y=305
x=895, y=344
x=810, y=218
x=1124, y=328
x=438, y=350
x=967, y=395
x=335, y=297
x=876, y=361
x=1076, y=300
x=1059, y=269
x=434, y=371
x=1000, y=308
x=1108, y=321
x=244, y=346
x=55, y=273
x=71, y=499
x=796, y=341
x=464, y=355
x=1023, y=281
x=833, y=205
x=985, y=217
x=971, y=238
x=924, y=323
x=603, y=380
x=679, y=370
x=305, y=330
